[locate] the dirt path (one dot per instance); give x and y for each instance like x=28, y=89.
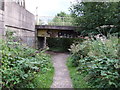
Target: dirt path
x=61, y=78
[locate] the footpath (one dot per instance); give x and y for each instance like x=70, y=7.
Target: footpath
x=61, y=77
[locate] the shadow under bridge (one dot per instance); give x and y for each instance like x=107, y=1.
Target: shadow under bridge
x=48, y=31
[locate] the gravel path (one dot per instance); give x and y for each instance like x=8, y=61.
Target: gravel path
x=61, y=78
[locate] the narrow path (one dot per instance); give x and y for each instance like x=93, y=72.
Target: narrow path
x=61, y=78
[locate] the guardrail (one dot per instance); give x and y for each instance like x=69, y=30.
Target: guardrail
x=54, y=21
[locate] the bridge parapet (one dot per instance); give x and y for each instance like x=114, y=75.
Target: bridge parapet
x=54, y=20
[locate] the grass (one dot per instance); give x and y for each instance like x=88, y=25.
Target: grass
x=78, y=80
x=44, y=80
x=58, y=49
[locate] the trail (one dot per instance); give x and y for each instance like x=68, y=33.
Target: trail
x=61, y=77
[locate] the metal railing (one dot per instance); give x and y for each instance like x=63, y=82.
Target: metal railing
x=54, y=20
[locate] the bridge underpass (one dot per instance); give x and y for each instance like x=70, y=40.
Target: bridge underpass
x=48, y=31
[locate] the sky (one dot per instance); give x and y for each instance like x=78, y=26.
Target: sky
x=48, y=7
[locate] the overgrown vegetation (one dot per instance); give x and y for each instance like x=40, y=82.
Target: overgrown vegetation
x=22, y=65
x=78, y=79
x=98, y=61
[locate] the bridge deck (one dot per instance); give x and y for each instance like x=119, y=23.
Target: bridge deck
x=49, y=27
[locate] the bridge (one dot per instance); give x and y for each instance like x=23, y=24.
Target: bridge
x=48, y=31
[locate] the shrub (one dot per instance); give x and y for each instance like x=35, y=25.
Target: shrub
x=100, y=60
x=20, y=63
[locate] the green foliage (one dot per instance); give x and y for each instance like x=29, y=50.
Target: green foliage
x=44, y=80
x=19, y=63
x=62, y=19
x=78, y=80
x=100, y=60
x=96, y=17
x=60, y=44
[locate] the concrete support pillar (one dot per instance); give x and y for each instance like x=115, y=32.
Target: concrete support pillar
x=36, y=39
x=41, y=42
x=45, y=39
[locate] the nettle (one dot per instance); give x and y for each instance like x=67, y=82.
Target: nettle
x=20, y=63
x=100, y=60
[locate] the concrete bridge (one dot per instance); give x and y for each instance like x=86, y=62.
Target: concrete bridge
x=48, y=31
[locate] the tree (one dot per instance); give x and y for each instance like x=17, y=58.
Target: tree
x=96, y=17
x=61, y=19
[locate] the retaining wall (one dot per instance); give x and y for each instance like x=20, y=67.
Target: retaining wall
x=18, y=19
x=1, y=23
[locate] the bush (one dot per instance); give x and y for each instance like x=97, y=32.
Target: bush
x=100, y=60
x=20, y=63
x=78, y=79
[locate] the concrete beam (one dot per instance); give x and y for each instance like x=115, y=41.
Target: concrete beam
x=49, y=27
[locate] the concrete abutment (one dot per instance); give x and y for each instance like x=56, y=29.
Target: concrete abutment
x=16, y=18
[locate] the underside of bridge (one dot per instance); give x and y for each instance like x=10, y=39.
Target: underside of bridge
x=46, y=31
